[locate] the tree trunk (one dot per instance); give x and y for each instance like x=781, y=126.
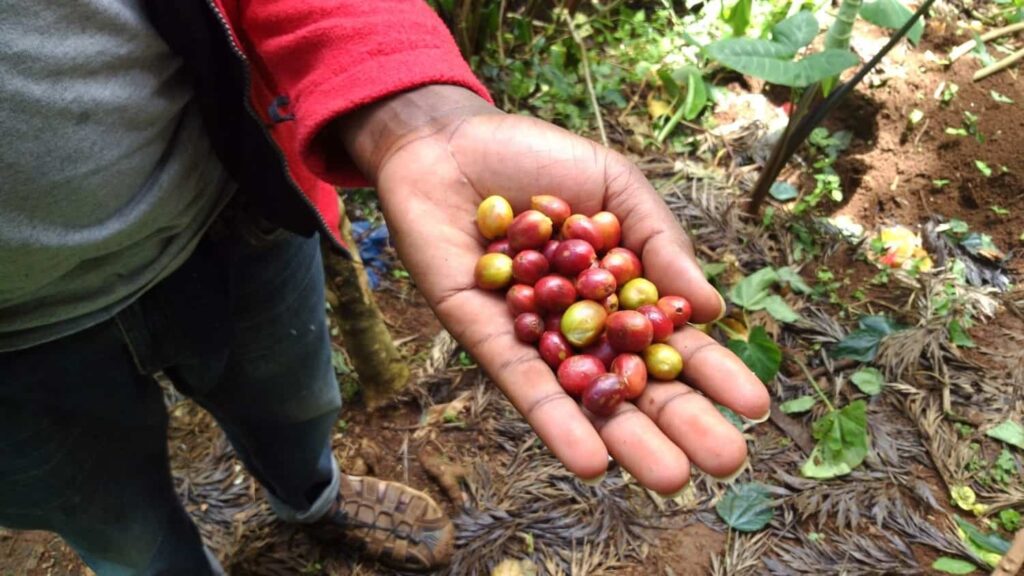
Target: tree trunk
x=382, y=370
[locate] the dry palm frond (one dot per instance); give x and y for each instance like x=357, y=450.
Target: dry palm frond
x=743, y=555
x=901, y=353
x=843, y=553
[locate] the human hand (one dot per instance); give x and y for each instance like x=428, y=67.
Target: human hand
x=434, y=154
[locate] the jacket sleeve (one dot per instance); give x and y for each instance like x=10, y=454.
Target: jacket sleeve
x=329, y=57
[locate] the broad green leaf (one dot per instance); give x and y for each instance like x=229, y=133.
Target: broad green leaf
x=779, y=309
x=842, y=442
x=746, y=507
x=794, y=279
x=953, y=565
x=988, y=547
x=868, y=380
x=881, y=324
x=796, y=31
x=759, y=352
x=958, y=336
x=821, y=65
x=893, y=15
x=770, y=61
x=798, y=405
x=751, y=292
x=783, y=191
x=1010, y=432
x=862, y=344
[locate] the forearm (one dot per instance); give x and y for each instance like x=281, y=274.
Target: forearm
x=370, y=135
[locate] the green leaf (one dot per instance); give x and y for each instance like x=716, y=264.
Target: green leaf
x=1010, y=432
x=869, y=380
x=862, y=344
x=738, y=17
x=746, y=507
x=790, y=276
x=783, y=191
x=779, y=309
x=751, y=292
x=796, y=31
x=759, y=352
x=1010, y=519
x=880, y=324
x=696, y=93
x=893, y=15
x=959, y=336
x=770, y=61
x=1000, y=98
x=842, y=442
x=988, y=547
x=983, y=168
x=798, y=405
x=953, y=565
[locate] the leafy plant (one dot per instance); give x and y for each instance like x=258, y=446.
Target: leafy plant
x=773, y=60
x=754, y=293
x=1010, y=519
x=746, y=507
x=988, y=547
x=815, y=103
x=759, y=352
x=862, y=344
x=843, y=440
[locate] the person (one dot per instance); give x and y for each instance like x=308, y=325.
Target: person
x=165, y=172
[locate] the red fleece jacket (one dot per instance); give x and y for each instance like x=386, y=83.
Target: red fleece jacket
x=329, y=57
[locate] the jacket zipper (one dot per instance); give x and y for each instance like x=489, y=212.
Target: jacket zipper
x=248, y=107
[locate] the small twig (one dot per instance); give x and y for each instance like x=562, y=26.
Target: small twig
x=1001, y=65
x=814, y=383
x=586, y=76
x=917, y=139
x=956, y=53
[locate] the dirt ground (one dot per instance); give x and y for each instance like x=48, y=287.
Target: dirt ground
x=888, y=174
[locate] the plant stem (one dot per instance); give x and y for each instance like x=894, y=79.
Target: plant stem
x=814, y=383
x=1001, y=65
x=586, y=77
x=838, y=36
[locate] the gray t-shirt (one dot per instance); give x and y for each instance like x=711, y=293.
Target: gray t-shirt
x=107, y=177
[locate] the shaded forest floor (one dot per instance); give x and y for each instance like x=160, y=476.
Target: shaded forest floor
x=455, y=436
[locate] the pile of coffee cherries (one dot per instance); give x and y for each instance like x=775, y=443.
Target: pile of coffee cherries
x=580, y=298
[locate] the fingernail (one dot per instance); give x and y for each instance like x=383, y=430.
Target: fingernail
x=762, y=419
x=723, y=308
x=728, y=479
x=595, y=481
x=677, y=493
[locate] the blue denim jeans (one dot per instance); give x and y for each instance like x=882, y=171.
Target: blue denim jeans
x=241, y=329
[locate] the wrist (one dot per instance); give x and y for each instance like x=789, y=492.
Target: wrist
x=370, y=135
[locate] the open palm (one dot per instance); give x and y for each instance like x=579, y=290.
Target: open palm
x=430, y=187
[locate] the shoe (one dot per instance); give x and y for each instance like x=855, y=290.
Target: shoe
x=390, y=523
